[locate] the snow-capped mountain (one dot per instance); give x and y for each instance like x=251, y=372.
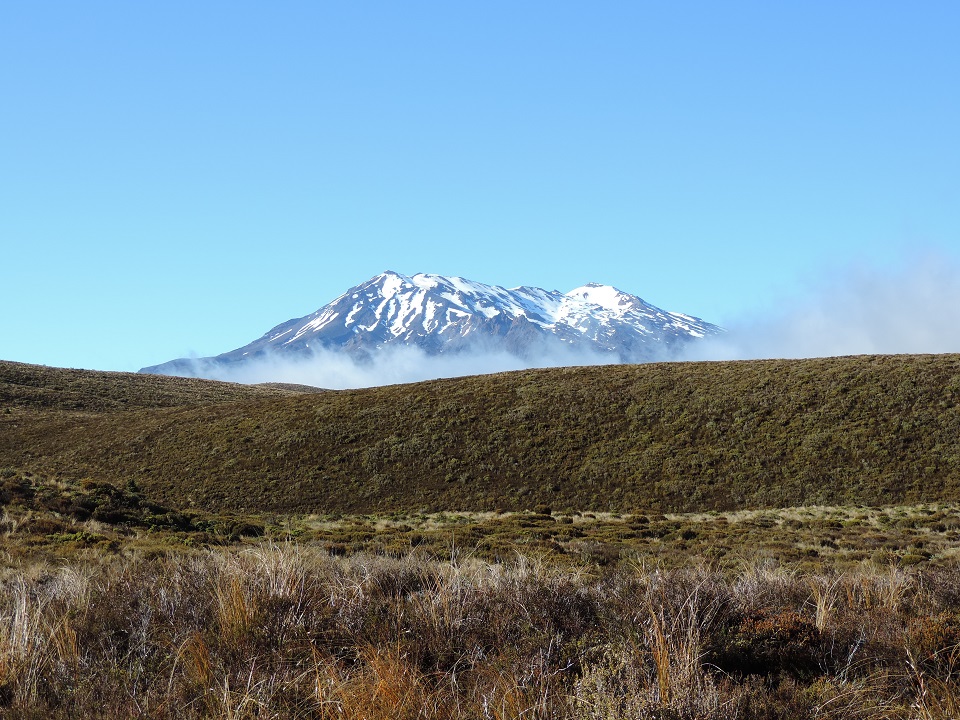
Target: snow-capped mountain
x=442, y=314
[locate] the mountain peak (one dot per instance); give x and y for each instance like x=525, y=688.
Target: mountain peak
x=606, y=296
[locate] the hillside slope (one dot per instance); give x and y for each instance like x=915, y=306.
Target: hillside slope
x=53, y=388
x=666, y=437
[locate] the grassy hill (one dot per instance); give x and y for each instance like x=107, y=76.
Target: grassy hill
x=39, y=387
x=147, y=561
x=669, y=437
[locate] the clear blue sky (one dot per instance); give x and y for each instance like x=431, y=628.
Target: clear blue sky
x=179, y=177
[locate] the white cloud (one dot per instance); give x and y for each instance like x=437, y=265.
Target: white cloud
x=392, y=365
x=863, y=310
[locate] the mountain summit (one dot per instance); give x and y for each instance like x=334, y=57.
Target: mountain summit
x=440, y=314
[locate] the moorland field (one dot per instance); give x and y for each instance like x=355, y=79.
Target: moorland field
x=764, y=539
x=673, y=437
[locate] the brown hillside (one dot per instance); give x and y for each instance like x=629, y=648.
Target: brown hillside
x=668, y=437
x=52, y=388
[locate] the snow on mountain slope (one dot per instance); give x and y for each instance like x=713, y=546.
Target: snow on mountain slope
x=440, y=314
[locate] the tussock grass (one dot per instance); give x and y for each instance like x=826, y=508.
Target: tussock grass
x=285, y=630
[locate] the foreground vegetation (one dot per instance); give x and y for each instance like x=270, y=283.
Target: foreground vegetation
x=285, y=630
x=114, y=606
x=759, y=541
x=663, y=438
x=51, y=520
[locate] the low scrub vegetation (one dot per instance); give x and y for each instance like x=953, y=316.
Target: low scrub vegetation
x=55, y=519
x=673, y=437
x=114, y=606
x=753, y=541
x=62, y=390
x=286, y=630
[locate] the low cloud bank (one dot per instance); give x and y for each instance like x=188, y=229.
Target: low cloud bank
x=863, y=310
x=390, y=366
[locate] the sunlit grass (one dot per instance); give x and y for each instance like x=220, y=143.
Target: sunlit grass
x=286, y=630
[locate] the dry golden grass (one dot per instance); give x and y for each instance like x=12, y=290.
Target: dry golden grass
x=283, y=630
